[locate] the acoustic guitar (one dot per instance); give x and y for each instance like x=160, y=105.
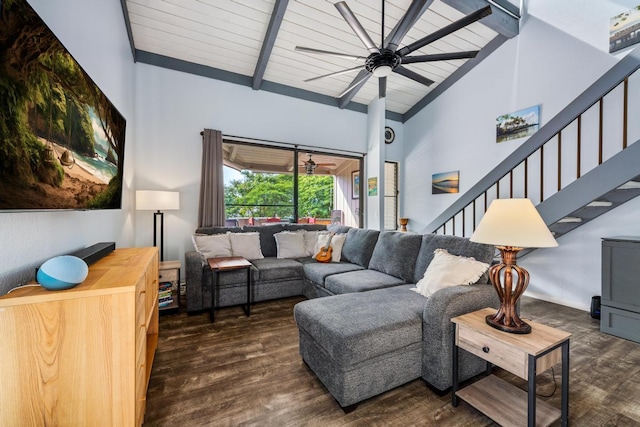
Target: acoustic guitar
x=326, y=252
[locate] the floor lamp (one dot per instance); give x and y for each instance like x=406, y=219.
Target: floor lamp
x=149, y=200
x=511, y=225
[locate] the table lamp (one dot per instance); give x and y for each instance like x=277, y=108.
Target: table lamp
x=511, y=225
x=157, y=201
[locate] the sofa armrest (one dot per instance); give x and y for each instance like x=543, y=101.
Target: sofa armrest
x=193, y=279
x=437, y=331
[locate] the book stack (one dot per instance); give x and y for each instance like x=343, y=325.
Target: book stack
x=165, y=297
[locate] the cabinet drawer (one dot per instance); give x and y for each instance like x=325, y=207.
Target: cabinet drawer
x=492, y=350
x=169, y=275
x=621, y=323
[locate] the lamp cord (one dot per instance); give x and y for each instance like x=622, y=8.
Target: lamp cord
x=555, y=386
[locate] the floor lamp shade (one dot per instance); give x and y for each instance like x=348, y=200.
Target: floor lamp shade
x=149, y=200
x=158, y=201
x=511, y=225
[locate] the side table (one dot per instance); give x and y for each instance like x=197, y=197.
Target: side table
x=169, y=272
x=219, y=265
x=524, y=355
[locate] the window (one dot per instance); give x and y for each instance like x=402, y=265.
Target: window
x=261, y=185
x=390, y=196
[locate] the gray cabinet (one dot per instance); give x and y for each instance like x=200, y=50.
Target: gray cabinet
x=620, y=310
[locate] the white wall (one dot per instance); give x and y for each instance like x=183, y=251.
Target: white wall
x=173, y=108
x=545, y=66
x=94, y=32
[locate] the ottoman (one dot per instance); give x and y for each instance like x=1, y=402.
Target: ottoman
x=362, y=344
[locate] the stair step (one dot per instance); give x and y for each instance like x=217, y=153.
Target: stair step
x=599, y=204
x=629, y=185
x=570, y=219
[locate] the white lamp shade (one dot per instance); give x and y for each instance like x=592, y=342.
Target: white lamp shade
x=157, y=200
x=513, y=222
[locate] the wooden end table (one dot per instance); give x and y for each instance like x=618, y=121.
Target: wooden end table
x=524, y=355
x=219, y=265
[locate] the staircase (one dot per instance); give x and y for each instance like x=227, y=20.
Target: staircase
x=577, y=167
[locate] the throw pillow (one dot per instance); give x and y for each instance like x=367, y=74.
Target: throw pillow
x=337, y=241
x=310, y=240
x=447, y=270
x=212, y=245
x=246, y=245
x=290, y=244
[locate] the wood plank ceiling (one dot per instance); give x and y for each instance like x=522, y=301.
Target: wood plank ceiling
x=229, y=35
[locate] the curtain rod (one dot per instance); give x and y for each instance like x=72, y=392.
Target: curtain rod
x=297, y=146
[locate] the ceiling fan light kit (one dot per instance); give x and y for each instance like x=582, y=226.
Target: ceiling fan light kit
x=388, y=59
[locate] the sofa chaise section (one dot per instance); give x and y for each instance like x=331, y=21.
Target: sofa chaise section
x=357, y=350
x=364, y=343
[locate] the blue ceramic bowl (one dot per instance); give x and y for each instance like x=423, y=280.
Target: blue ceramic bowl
x=62, y=272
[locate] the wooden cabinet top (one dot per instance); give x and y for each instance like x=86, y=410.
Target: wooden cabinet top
x=117, y=272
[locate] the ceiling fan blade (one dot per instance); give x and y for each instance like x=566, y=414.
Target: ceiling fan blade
x=439, y=57
x=444, y=31
x=413, y=76
x=337, y=73
x=382, y=87
x=355, y=85
x=415, y=11
x=327, y=52
x=355, y=25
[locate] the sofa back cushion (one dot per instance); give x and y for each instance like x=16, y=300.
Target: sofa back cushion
x=217, y=230
x=267, y=241
x=358, y=246
x=338, y=228
x=395, y=254
x=455, y=245
x=306, y=227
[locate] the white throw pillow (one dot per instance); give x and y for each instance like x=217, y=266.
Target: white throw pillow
x=310, y=240
x=246, y=245
x=447, y=270
x=290, y=244
x=337, y=241
x=212, y=246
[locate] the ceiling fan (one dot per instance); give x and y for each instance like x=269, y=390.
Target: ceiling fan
x=387, y=59
x=310, y=166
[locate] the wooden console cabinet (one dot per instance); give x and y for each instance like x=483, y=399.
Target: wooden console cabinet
x=82, y=356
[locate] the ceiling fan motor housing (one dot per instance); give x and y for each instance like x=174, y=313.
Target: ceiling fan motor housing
x=386, y=57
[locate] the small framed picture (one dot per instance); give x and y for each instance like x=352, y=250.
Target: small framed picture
x=355, y=184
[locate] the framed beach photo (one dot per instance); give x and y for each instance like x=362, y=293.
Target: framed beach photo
x=445, y=182
x=519, y=124
x=624, y=30
x=355, y=184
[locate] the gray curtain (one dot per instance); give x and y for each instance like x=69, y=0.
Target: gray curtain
x=211, y=208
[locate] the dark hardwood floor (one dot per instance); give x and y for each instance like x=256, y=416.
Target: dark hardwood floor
x=243, y=371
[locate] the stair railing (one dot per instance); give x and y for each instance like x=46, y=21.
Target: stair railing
x=571, y=126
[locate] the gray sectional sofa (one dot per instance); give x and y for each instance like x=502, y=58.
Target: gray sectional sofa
x=370, y=332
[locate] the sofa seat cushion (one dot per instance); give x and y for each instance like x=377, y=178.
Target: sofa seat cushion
x=272, y=269
x=355, y=327
x=360, y=281
x=317, y=272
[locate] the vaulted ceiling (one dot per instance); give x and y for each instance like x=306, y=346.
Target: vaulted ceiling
x=253, y=42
